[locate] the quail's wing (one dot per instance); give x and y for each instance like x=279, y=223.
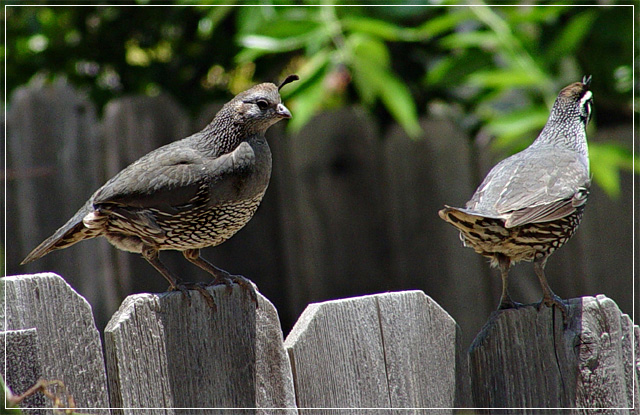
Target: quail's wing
x=170, y=177
x=533, y=186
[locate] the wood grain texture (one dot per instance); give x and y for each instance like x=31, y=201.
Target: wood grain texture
x=389, y=350
x=69, y=342
x=197, y=357
x=334, y=232
x=54, y=159
x=23, y=368
x=527, y=358
x=426, y=253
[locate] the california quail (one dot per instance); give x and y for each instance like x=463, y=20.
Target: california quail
x=531, y=203
x=187, y=195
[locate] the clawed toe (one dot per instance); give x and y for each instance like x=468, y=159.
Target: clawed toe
x=505, y=305
x=184, y=288
x=243, y=282
x=553, y=300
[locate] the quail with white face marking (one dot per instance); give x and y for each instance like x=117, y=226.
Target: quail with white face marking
x=187, y=195
x=531, y=203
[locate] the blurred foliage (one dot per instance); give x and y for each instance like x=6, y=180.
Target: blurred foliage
x=494, y=70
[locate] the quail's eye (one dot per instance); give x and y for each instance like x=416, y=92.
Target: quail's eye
x=262, y=104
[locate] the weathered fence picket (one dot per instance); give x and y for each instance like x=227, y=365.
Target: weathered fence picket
x=23, y=359
x=393, y=350
x=163, y=353
x=527, y=358
x=68, y=341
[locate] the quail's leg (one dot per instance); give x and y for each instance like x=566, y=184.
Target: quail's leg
x=221, y=276
x=549, y=298
x=151, y=255
x=505, y=300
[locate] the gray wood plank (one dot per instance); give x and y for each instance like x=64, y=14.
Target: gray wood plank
x=69, y=342
x=420, y=177
x=426, y=367
x=527, y=358
x=23, y=368
x=231, y=357
x=332, y=215
x=388, y=350
x=53, y=162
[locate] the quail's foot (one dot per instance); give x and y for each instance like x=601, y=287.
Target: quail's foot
x=506, y=302
x=551, y=300
x=184, y=288
x=509, y=303
x=244, y=283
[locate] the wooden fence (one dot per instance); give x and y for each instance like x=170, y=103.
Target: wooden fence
x=350, y=210
x=385, y=351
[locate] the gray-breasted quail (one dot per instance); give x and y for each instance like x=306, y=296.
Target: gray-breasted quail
x=186, y=195
x=531, y=203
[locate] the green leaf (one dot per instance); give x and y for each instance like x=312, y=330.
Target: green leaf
x=440, y=24
x=482, y=39
x=368, y=49
x=503, y=78
x=272, y=44
x=363, y=51
x=259, y=45
x=606, y=161
x=572, y=35
x=373, y=77
x=508, y=128
x=451, y=70
x=374, y=27
x=283, y=28
x=309, y=72
x=397, y=98
x=306, y=105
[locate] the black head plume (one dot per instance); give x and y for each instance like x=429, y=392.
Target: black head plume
x=586, y=80
x=288, y=80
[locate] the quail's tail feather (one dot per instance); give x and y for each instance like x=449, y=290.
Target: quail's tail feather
x=482, y=228
x=71, y=232
x=477, y=232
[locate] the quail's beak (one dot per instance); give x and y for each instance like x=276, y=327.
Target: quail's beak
x=282, y=111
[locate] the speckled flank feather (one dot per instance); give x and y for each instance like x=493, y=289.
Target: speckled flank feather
x=490, y=236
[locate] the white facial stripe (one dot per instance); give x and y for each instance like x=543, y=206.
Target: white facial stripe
x=587, y=96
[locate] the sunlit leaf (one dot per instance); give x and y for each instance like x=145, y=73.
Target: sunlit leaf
x=283, y=29
x=309, y=73
x=507, y=128
x=441, y=24
x=484, y=40
x=369, y=49
x=503, y=78
x=606, y=161
x=272, y=44
x=364, y=83
x=374, y=78
x=397, y=98
x=530, y=15
x=364, y=52
x=304, y=106
x=373, y=27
